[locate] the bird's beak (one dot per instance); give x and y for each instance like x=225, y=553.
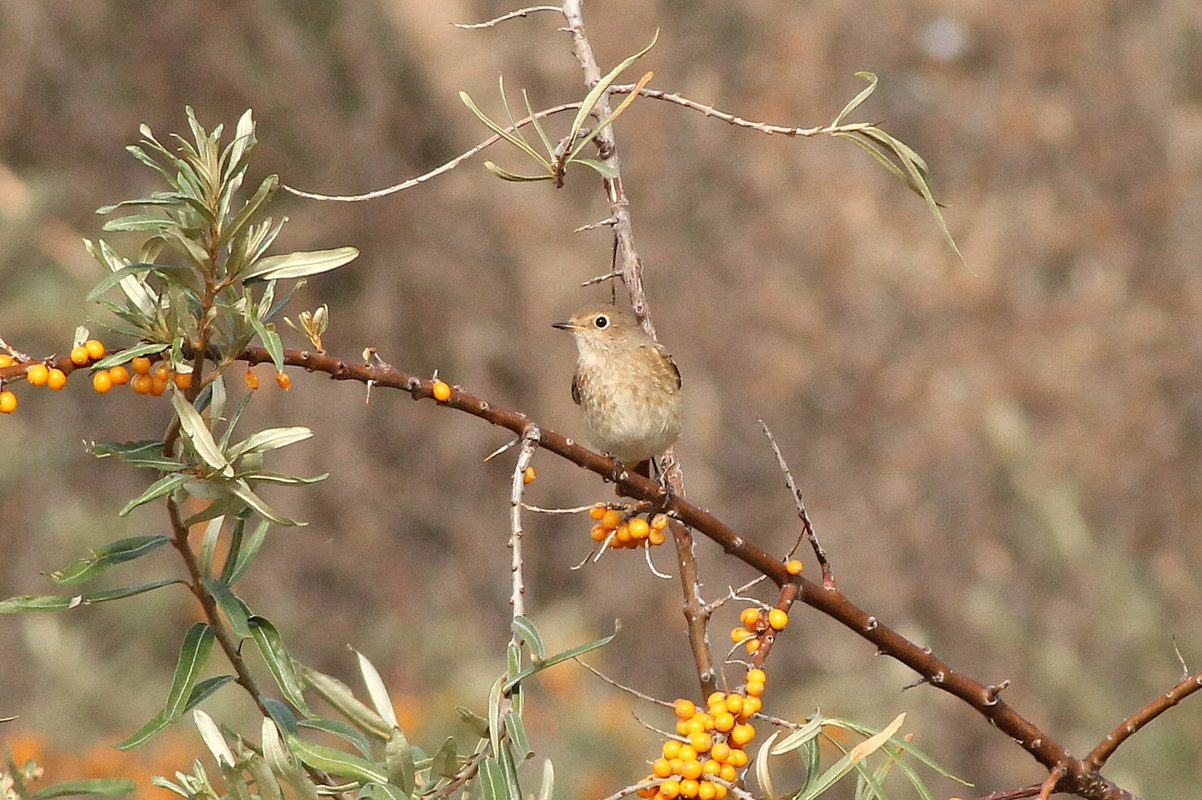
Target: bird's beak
x=566, y=326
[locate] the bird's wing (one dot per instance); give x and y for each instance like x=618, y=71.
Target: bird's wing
x=576, y=388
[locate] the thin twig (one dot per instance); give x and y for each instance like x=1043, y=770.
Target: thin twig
x=807, y=528
x=621, y=686
x=521, y=12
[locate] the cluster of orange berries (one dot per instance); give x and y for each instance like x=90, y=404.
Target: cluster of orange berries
x=42, y=374
x=622, y=531
x=756, y=622
x=281, y=378
x=142, y=376
x=703, y=762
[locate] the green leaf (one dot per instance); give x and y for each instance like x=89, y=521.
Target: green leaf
x=275, y=653
x=163, y=486
x=157, y=723
x=199, y=436
x=242, y=489
x=104, y=557
x=377, y=691
x=270, y=439
x=242, y=553
x=339, y=695
x=527, y=632
x=129, y=354
x=300, y=264
x=95, y=786
x=30, y=602
x=446, y=761
x=492, y=780
x=194, y=652
x=864, y=94
x=590, y=99
x=137, y=454
x=517, y=735
x=205, y=688
x=546, y=788
x=335, y=761
x=258, y=200
x=398, y=757
x=232, y=606
x=341, y=730
x=271, y=341
x=513, y=177
x=601, y=168
x=512, y=137
x=558, y=657
x=278, y=761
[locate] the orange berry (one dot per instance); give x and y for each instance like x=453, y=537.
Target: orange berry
x=639, y=529
x=252, y=380
x=37, y=374
x=739, y=634
x=751, y=645
x=701, y=742
x=682, y=727
x=442, y=391
x=755, y=688
x=687, y=753
x=711, y=767
x=738, y=759
x=140, y=365
x=611, y=518
x=140, y=384
x=707, y=790
x=741, y=734
x=56, y=379
x=720, y=791
x=647, y=791
x=659, y=521
x=669, y=789
x=720, y=752
x=597, y=511
x=660, y=768
x=715, y=698
x=157, y=385
x=695, y=724
x=528, y=475
x=102, y=381
x=162, y=370
x=656, y=537
x=283, y=381
x=119, y=375
x=79, y=355
x=598, y=533
x=6, y=360
x=182, y=380
x=95, y=348
x=757, y=674
x=751, y=706
x=684, y=709
x=691, y=770
x=728, y=773
x=734, y=703
x=749, y=617
x=623, y=535
x=8, y=402
x=671, y=749
x=778, y=618
x=793, y=567
x=723, y=721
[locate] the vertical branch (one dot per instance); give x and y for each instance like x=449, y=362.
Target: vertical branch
x=529, y=443
x=628, y=265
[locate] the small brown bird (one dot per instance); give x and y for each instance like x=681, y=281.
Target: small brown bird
x=626, y=384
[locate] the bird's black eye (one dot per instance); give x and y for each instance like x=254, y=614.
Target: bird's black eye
x=602, y=322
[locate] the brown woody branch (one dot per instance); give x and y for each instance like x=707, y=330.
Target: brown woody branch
x=1081, y=777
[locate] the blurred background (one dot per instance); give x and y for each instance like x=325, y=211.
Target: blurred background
x=1004, y=461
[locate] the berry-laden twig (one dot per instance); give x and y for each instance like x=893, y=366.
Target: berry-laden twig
x=1080, y=777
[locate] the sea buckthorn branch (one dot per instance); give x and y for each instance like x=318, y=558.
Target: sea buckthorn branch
x=1080, y=778
x=523, y=473
x=1128, y=727
x=807, y=527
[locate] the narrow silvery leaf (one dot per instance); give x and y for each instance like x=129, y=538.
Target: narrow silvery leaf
x=211, y=735
x=377, y=690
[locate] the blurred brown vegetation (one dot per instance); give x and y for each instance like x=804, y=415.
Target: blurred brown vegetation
x=1004, y=463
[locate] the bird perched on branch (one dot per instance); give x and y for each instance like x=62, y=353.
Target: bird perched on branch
x=626, y=384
